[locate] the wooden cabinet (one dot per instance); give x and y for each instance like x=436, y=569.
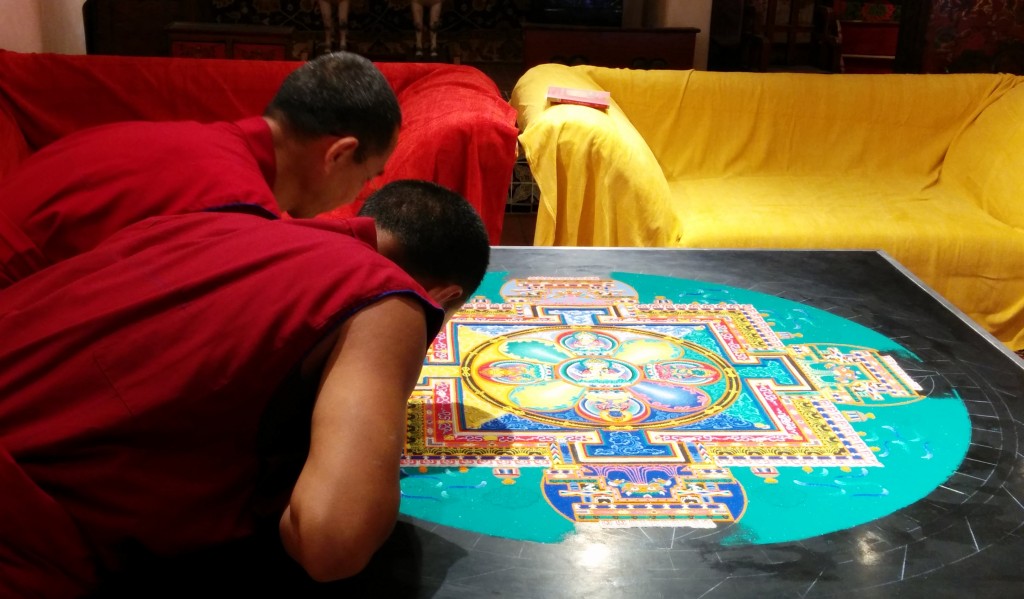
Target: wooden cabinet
x=217, y=40
x=177, y=28
x=636, y=48
x=136, y=27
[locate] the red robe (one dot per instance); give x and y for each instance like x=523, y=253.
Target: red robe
x=81, y=189
x=134, y=379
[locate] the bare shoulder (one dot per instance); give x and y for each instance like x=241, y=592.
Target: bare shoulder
x=393, y=316
x=388, y=334
x=357, y=435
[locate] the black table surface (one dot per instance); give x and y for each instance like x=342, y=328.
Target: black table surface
x=964, y=539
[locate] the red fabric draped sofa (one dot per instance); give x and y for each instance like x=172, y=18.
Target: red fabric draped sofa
x=457, y=130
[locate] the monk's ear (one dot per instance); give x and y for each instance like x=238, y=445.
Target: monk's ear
x=445, y=294
x=341, y=150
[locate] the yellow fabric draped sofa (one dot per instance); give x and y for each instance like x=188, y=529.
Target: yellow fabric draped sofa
x=928, y=168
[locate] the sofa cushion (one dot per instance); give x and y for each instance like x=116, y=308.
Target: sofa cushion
x=972, y=258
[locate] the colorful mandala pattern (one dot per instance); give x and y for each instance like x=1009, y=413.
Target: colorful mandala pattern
x=661, y=412
x=584, y=377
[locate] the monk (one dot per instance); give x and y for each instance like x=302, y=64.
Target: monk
x=330, y=128
x=197, y=378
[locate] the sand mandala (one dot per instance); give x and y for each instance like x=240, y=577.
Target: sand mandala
x=550, y=404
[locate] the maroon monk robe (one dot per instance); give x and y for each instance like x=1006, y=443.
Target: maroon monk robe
x=135, y=375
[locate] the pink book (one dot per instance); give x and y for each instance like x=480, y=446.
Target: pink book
x=583, y=97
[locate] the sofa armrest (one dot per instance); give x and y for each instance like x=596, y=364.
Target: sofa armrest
x=986, y=161
x=600, y=184
x=458, y=131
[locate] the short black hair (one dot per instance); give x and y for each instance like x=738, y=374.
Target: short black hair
x=441, y=235
x=339, y=94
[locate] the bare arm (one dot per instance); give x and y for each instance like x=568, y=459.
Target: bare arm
x=345, y=501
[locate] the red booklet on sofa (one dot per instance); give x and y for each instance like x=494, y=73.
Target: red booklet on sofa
x=583, y=97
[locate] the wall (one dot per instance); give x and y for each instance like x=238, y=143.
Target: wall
x=42, y=26
x=21, y=29
x=675, y=13
x=63, y=30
